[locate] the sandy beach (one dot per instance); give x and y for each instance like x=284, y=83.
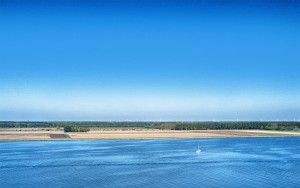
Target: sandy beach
x=11, y=134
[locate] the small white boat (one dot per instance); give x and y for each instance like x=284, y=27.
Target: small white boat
x=198, y=150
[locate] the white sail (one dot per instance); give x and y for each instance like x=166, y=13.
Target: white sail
x=198, y=150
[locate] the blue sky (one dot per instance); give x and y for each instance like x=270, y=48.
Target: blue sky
x=149, y=60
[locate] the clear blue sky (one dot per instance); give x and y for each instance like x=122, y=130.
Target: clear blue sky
x=149, y=60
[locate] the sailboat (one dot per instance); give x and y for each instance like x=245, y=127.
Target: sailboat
x=198, y=150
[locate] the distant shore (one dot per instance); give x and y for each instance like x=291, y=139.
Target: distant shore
x=31, y=134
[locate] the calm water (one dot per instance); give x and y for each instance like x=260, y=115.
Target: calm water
x=256, y=162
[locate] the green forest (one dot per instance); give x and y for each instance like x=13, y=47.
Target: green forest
x=200, y=125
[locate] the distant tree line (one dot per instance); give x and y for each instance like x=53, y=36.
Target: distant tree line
x=79, y=125
x=235, y=125
x=76, y=129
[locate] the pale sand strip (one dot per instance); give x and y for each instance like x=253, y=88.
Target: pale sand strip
x=41, y=134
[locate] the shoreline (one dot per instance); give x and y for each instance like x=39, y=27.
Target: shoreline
x=141, y=139
x=7, y=135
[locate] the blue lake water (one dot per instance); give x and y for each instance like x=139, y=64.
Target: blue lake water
x=245, y=162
